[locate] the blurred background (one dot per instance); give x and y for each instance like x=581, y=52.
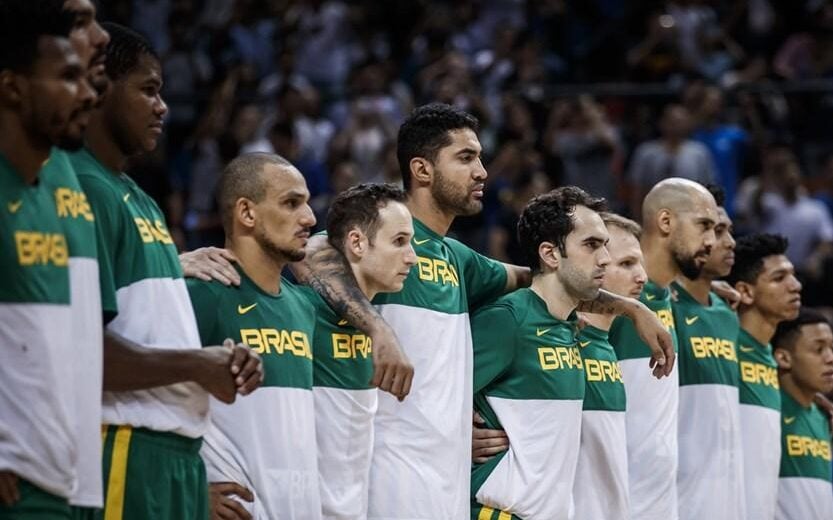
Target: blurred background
x=610, y=95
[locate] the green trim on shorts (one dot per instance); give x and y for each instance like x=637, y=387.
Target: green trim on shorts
x=481, y=512
x=150, y=474
x=35, y=504
x=83, y=513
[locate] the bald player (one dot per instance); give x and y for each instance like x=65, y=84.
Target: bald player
x=678, y=219
x=710, y=478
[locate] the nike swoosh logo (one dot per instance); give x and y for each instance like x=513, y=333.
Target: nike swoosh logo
x=244, y=310
x=342, y=323
x=691, y=320
x=583, y=344
x=747, y=349
x=14, y=206
x=539, y=332
x=126, y=196
x=789, y=420
x=420, y=242
x=650, y=297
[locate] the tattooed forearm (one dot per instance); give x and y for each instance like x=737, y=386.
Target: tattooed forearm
x=605, y=303
x=325, y=270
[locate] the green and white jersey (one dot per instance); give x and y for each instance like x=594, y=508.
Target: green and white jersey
x=78, y=222
x=600, y=491
x=804, y=481
x=137, y=257
x=651, y=417
x=760, y=425
x=37, y=437
x=345, y=405
x=529, y=382
x=710, y=477
x=265, y=440
x=422, y=449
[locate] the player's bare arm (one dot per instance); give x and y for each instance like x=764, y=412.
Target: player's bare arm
x=223, y=371
x=649, y=327
x=221, y=504
x=517, y=277
x=326, y=271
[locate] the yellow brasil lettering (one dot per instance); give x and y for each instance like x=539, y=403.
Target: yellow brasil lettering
x=349, y=346
x=558, y=358
x=36, y=248
x=758, y=374
x=437, y=271
x=264, y=341
x=152, y=231
x=599, y=370
x=72, y=204
x=666, y=318
x=801, y=446
x=706, y=347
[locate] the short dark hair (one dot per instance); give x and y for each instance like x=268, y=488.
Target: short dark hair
x=750, y=253
x=359, y=207
x=243, y=177
x=549, y=218
x=426, y=131
x=22, y=23
x=125, y=49
x=787, y=332
x=718, y=193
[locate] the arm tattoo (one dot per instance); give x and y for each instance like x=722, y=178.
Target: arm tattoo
x=605, y=303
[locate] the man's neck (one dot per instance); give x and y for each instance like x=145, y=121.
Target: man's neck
x=364, y=282
x=559, y=303
x=757, y=325
x=803, y=396
x=261, y=268
x=660, y=267
x=698, y=289
x=25, y=156
x=424, y=208
x=102, y=145
x=600, y=321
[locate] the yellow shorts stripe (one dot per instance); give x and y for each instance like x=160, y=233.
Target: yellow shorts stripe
x=485, y=513
x=117, y=481
x=504, y=516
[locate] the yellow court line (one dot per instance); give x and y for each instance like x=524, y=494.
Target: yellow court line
x=116, y=483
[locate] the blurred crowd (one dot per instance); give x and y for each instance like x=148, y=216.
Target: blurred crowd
x=610, y=95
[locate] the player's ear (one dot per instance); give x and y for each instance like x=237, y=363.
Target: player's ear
x=548, y=255
x=665, y=220
x=356, y=242
x=10, y=87
x=245, y=212
x=422, y=171
x=747, y=293
x=783, y=358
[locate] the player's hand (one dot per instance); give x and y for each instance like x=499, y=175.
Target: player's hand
x=247, y=369
x=9, y=492
x=214, y=373
x=656, y=336
x=392, y=371
x=486, y=443
x=223, y=507
x=727, y=292
x=210, y=263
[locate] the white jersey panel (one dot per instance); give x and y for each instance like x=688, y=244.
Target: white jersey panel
x=534, y=479
x=344, y=430
x=710, y=478
x=37, y=438
x=266, y=442
x=87, y=370
x=600, y=491
x=761, y=437
x=421, y=464
x=157, y=313
x=804, y=499
x=651, y=423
